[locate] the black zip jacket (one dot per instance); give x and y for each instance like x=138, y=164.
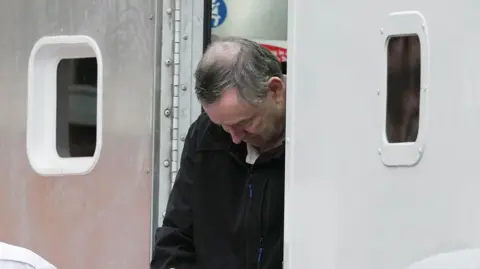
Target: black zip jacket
x=222, y=213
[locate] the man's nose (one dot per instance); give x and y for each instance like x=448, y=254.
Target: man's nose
x=237, y=138
x=237, y=135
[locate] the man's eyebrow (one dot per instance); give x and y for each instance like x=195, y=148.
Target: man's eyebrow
x=244, y=120
x=240, y=121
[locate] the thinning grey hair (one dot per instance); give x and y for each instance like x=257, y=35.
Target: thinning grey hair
x=235, y=62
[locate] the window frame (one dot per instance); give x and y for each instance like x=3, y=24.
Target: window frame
x=404, y=153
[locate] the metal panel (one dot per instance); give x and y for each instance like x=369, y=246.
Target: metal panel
x=102, y=219
x=191, y=50
x=182, y=30
x=165, y=71
x=158, y=199
x=362, y=214
x=198, y=45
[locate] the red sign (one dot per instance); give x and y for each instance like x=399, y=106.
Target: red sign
x=280, y=52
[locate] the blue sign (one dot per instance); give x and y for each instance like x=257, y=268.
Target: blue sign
x=219, y=13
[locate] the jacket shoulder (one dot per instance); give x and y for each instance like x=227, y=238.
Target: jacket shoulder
x=204, y=134
x=201, y=124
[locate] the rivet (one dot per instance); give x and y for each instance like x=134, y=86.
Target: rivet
x=147, y=171
x=381, y=31
x=420, y=150
x=168, y=62
x=169, y=11
x=379, y=151
x=184, y=87
x=150, y=17
x=378, y=91
x=166, y=163
x=166, y=112
x=182, y=138
x=185, y=37
x=163, y=214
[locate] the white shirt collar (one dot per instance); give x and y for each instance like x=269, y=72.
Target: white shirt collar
x=252, y=154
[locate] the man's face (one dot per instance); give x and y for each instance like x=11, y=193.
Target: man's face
x=260, y=125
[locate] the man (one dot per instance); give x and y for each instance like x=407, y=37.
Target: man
x=226, y=208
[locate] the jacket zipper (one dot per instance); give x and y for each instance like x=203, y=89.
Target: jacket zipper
x=260, y=245
x=248, y=209
x=260, y=252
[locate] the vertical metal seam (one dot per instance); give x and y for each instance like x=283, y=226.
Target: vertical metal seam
x=164, y=47
x=176, y=92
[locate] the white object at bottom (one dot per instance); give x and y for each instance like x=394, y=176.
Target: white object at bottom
x=15, y=257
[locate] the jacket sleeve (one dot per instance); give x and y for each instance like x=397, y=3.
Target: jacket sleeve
x=174, y=246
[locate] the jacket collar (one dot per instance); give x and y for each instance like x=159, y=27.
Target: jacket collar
x=215, y=138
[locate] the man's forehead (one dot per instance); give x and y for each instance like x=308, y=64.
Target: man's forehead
x=229, y=109
x=230, y=121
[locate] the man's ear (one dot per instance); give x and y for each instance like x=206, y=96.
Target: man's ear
x=276, y=88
